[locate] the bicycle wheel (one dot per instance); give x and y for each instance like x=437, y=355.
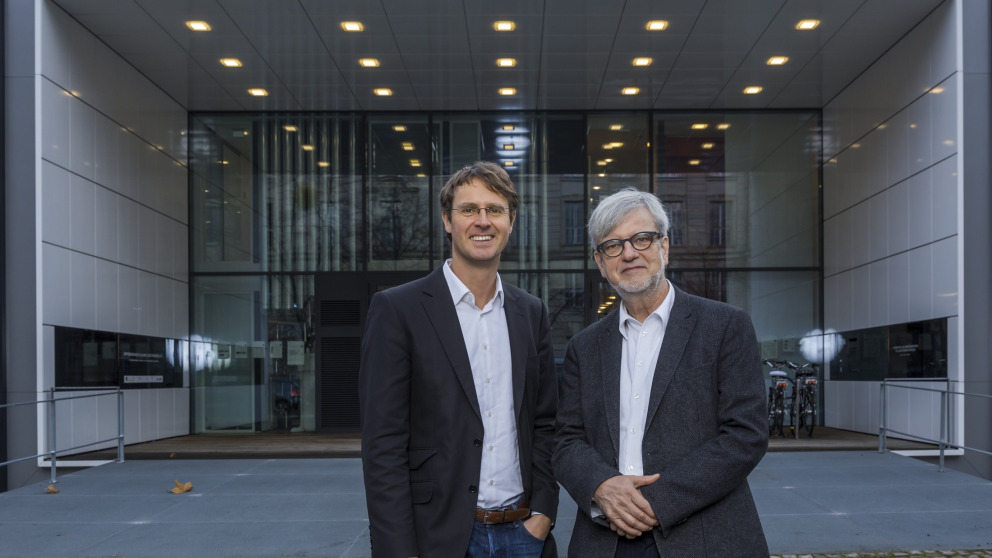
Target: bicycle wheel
x=809, y=414
x=778, y=413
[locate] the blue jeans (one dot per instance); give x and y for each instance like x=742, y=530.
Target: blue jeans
x=503, y=540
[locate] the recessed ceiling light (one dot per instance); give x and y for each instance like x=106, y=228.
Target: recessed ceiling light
x=937, y=90
x=509, y=127
x=507, y=163
x=642, y=61
x=509, y=147
x=506, y=62
x=352, y=26
x=752, y=90
x=707, y=145
x=407, y=146
x=700, y=126
x=601, y=163
x=290, y=128
x=414, y=162
x=504, y=25
x=693, y=162
x=656, y=25
x=630, y=91
x=777, y=60
x=230, y=62
x=258, y=92
x=198, y=25
x=722, y=126
x=596, y=187
x=306, y=147
x=324, y=164
x=807, y=24
x=399, y=128
x=507, y=91
x=616, y=127
x=383, y=91
x=369, y=62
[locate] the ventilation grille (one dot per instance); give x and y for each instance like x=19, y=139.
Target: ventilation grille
x=340, y=313
x=339, y=363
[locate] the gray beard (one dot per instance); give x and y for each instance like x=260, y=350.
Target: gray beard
x=634, y=289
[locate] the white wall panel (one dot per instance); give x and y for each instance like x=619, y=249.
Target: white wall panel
x=860, y=234
x=165, y=303
x=82, y=121
x=82, y=291
x=106, y=151
x=107, y=296
x=920, y=193
x=919, y=136
x=944, y=203
x=55, y=306
x=105, y=222
x=897, y=205
x=944, y=116
x=860, y=297
x=844, y=237
x=879, y=211
x=878, y=300
x=55, y=109
x=945, y=277
x=897, y=148
x=920, y=284
x=82, y=200
x=148, y=297
x=56, y=220
x=129, y=308
x=899, y=288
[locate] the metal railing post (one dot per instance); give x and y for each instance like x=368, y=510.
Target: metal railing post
x=943, y=428
x=51, y=432
x=120, y=425
x=881, y=418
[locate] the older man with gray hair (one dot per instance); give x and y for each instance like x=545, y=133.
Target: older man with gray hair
x=662, y=415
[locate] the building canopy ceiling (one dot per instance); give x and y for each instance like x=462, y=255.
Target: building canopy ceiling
x=441, y=55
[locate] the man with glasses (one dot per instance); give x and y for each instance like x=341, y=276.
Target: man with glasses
x=662, y=415
x=458, y=396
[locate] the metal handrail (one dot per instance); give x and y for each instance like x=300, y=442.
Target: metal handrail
x=53, y=450
x=944, y=442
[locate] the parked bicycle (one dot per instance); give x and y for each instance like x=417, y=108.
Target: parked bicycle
x=779, y=401
x=807, y=378
x=797, y=404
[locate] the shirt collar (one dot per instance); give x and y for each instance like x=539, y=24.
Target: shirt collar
x=459, y=292
x=663, y=311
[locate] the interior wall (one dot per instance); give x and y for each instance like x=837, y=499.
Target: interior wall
x=891, y=185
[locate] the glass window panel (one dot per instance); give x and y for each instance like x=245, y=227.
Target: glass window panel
x=564, y=294
x=744, y=185
x=275, y=193
x=401, y=206
x=252, y=353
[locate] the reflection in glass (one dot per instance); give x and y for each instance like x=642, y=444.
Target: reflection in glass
x=252, y=353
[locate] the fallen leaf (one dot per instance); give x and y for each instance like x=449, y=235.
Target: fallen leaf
x=181, y=488
x=52, y=489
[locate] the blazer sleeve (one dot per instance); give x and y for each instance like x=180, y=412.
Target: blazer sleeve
x=384, y=399
x=544, y=493
x=721, y=463
x=579, y=463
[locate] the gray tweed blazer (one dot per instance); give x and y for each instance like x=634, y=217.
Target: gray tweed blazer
x=707, y=428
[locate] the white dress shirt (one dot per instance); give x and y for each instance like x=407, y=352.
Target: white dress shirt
x=487, y=341
x=639, y=357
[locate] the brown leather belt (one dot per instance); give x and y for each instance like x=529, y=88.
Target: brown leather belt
x=505, y=515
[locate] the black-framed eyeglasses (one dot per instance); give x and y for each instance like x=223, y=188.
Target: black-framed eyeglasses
x=614, y=247
x=471, y=211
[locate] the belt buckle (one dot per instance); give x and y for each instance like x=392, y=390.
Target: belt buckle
x=491, y=519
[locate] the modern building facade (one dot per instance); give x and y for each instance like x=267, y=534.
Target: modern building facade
x=212, y=254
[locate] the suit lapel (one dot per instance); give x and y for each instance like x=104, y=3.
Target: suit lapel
x=441, y=312
x=680, y=325
x=516, y=325
x=610, y=351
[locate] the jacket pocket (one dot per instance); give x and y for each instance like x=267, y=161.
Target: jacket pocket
x=417, y=457
x=421, y=492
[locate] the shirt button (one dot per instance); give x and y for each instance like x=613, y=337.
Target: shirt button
x=489, y=380
x=632, y=430
x=489, y=414
x=637, y=396
x=630, y=467
x=638, y=363
x=492, y=482
x=491, y=448
x=485, y=347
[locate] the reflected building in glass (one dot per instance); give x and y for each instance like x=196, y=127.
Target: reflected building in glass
x=298, y=218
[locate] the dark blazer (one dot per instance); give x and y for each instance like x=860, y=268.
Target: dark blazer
x=421, y=426
x=707, y=428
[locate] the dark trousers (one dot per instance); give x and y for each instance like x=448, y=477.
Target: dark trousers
x=641, y=547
